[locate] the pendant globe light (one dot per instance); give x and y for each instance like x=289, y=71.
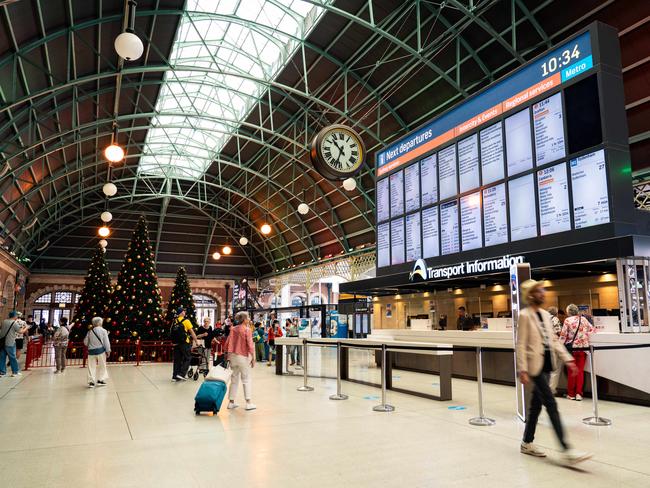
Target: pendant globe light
x=106, y=216
x=226, y=250
x=104, y=231
x=128, y=45
x=265, y=229
x=243, y=240
x=216, y=256
x=113, y=152
x=109, y=189
x=103, y=243
x=303, y=208
x=349, y=184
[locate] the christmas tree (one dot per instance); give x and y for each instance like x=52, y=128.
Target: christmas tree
x=136, y=308
x=181, y=297
x=95, y=297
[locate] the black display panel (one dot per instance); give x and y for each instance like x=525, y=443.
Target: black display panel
x=583, y=122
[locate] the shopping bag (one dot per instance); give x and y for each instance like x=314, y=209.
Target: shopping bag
x=219, y=373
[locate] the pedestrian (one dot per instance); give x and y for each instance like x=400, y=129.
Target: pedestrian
x=292, y=331
x=32, y=327
x=241, y=354
x=554, y=377
x=11, y=328
x=20, y=338
x=99, y=349
x=274, y=331
x=182, y=331
x=61, y=345
x=576, y=332
x=537, y=350
x=205, y=332
x=258, y=340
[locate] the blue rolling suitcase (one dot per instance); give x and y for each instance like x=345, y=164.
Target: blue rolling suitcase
x=209, y=397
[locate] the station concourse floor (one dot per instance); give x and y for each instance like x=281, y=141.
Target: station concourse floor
x=140, y=431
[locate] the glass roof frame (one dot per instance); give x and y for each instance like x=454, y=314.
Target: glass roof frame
x=231, y=43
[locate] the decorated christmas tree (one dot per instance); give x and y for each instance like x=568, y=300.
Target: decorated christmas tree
x=95, y=297
x=181, y=297
x=136, y=308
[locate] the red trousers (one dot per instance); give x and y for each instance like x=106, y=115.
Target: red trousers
x=576, y=381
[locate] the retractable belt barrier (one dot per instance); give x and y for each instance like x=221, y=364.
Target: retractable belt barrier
x=481, y=420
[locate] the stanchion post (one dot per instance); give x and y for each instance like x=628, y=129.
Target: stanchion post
x=596, y=419
x=384, y=407
x=481, y=420
x=304, y=386
x=339, y=365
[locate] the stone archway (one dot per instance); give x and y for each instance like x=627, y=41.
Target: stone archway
x=212, y=294
x=29, y=305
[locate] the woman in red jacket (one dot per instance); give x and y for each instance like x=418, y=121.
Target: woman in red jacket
x=274, y=331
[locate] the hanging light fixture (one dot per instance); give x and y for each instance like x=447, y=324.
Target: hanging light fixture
x=113, y=152
x=226, y=250
x=265, y=229
x=103, y=243
x=243, y=240
x=349, y=184
x=303, y=208
x=109, y=189
x=216, y=256
x=128, y=45
x=104, y=231
x=106, y=216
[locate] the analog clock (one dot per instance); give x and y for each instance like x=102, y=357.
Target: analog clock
x=337, y=152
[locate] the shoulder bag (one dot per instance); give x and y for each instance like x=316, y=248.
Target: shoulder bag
x=98, y=350
x=220, y=373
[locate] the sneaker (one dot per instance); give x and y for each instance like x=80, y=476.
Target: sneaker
x=250, y=406
x=578, y=398
x=181, y=378
x=269, y=364
x=174, y=380
x=232, y=405
x=57, y=372
x=101, y=383
x=16, y=374
x=571, y=456
x=569, y=397
x=91, y=385
x=531, y=449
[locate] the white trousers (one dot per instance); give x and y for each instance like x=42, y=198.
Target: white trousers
x=241, y=371
x=97, y=368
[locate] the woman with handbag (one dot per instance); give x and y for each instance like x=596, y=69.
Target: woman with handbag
x=575, y=334
x=99, y=348
x=240, y=352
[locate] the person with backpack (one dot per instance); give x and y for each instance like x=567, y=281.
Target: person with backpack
x=11, y=328
x=61, y=345
x=99, y=348
x=576, y=332
x=181, y=332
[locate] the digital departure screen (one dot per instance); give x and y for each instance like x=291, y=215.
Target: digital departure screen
x=521, y=161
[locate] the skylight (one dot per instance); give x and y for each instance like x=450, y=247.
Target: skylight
x=222, y=49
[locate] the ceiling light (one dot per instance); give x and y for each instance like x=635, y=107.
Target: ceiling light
x=106, y=216
x=265, y=229
x=243, y=240
x=109, y=189
x=216, y=256
x=104, y=231
x=303, y=209
x=349, y=184
x=103, y=243
x=114, y=153
x=129, y=46
x=226, y=250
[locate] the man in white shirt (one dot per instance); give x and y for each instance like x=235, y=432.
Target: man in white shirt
x=11, y=328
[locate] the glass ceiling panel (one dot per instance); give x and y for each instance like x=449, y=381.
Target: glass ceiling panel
x=202, y=104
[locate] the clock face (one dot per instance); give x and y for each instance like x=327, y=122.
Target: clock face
x=337, y=152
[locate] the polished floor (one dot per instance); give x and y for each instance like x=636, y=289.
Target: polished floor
x=140, y=431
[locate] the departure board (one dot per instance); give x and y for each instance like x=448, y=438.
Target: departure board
x=521, y=164
x=412, y=187
x=449, y=239
x=383, y=200
x=590, y=195
x=396, y=194
x=413, y=237
x=553, y=197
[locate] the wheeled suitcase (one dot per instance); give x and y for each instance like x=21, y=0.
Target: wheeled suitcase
x=209, y=397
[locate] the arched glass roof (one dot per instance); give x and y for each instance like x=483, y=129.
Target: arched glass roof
x=232, y=45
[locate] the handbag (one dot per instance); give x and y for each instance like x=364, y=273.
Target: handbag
x=569, y=345
x=220, y=373
x=4, y=337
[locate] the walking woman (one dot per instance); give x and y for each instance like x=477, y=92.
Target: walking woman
x=576, y=332
x=538, y=350
x=99, y=348
x=241, y=354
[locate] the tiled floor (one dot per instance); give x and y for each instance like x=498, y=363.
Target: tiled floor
x=141, y=431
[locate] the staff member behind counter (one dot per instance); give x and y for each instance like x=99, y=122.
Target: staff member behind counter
x=464, y=321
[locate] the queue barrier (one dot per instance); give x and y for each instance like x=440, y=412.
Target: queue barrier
x=41, y=354
x=481, y=420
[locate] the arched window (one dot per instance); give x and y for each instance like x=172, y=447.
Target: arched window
x=316, y=300
x=297, y=301
x=206, y=307
x=52, y=306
